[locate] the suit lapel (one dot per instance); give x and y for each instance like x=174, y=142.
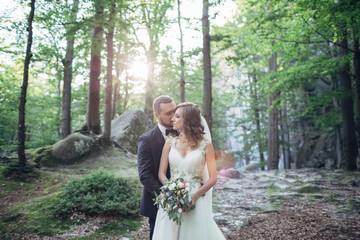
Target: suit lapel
x=159, y=137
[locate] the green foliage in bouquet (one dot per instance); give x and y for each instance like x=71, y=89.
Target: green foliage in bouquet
x=175, y=198
x=100, y=192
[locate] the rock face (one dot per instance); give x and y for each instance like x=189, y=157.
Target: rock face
x=73, y=147
x=128, y=127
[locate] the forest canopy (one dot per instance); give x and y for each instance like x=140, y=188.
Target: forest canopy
x=277, y=82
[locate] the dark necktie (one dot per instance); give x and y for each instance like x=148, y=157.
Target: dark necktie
x=171, y=132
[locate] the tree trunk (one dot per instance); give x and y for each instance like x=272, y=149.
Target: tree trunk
x=350, y=150
x=154, y=19
x=273, y=139
x=68, y=71
x=254, y=96
x=21, y=124
x=126, y=89
x=149, y=95
x=285, y=137
x=115, y=98
x=182, y=63
x=207, y=98
x=93, y=110
x=109, y=77
x=118, y=71
x=356, y=65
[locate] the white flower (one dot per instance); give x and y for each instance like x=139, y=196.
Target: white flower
x=172, y=186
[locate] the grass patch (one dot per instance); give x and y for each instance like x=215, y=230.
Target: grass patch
x=309, y=189
x=19, y=173
x=331, y=197
x=8, y=185
x=273, y=190
x=314, y=197
x=353, y=205
x=34, y=216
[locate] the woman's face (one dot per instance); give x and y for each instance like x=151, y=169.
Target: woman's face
x=177, y=119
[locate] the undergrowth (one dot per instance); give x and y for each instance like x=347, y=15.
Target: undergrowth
x=99, y=192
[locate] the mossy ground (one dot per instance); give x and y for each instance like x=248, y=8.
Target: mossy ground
x=28, y=206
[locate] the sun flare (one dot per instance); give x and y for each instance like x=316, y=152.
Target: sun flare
x=138, y=69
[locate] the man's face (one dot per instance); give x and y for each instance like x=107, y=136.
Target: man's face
x=167, y=111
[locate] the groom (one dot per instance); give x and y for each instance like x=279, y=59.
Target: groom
x=150, y=146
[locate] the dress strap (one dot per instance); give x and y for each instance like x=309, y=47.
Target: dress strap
x=173, y=141
x=202, y=146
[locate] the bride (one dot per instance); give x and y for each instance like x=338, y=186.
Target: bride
x=189, y=156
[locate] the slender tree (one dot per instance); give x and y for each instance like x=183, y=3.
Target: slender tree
x=350, y=150
x=182, y=62
x=356, y=66
x=21, y=123
x=256, y=109
x=109, y=76
x=153, y=16
x=273, y=131
x=207, y=98
x=93, y=109
x=68, y=72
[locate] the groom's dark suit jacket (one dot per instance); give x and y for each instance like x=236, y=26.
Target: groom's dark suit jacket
x=150, y=146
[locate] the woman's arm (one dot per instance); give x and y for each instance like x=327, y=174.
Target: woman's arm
x=164, y=161
x=211, y=165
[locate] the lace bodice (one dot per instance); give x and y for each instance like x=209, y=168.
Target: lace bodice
x=188, y=166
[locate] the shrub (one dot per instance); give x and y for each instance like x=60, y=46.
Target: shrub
x=100, y=192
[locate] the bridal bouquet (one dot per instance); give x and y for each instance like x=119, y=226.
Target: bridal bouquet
x=174, y=198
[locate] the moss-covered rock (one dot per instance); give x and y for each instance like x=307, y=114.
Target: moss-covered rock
x=43, y=157
x=73, y=147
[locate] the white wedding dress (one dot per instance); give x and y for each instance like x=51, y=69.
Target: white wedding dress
x=197, y=224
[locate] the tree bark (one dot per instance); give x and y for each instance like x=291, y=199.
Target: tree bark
x=182, y=62
x=273, y=131
x=21, y=123
x=68, y=74
x=285, y=137
x=93, y=110
x=350, y=150
x=356, y=66
x=207, y=98
x=109, y=76
x=115, y=98
x=254, y=96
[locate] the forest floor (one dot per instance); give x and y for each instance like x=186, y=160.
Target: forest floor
x=283, y=204
x=292, y=204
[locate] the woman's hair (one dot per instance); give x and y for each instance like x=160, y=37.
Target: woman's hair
x=191, y=123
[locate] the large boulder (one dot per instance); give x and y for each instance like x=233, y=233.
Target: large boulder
x=72, y=147
x=128, y=127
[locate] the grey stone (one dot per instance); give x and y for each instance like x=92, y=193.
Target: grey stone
x=128, y=127
x=73, y=147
